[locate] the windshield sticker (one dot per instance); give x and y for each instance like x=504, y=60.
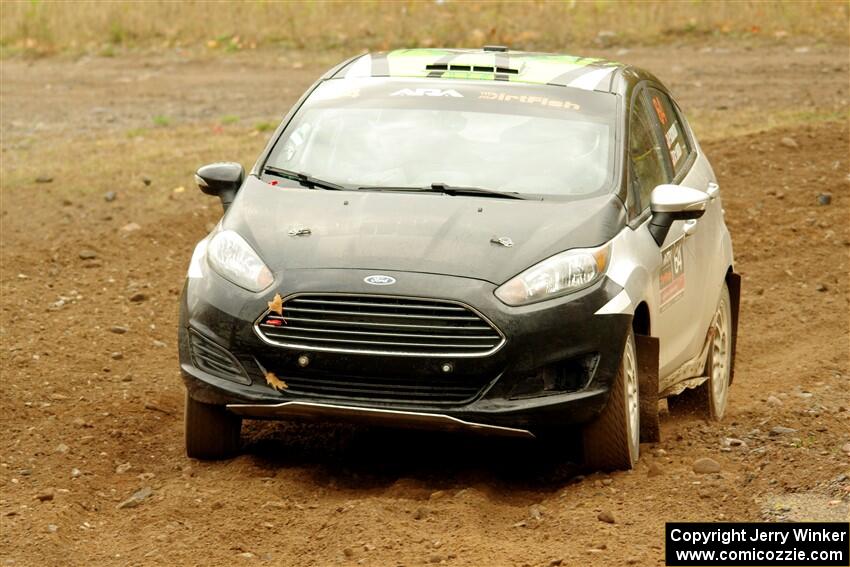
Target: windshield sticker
x=676, y=153
x=541, y=100
x=671, y=135
x=671, y=280
x=659, y=110
x=428, y=92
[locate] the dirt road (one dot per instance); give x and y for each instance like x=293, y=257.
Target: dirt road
x=92, y=400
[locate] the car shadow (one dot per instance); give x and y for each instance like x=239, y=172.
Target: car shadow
x=371, y=457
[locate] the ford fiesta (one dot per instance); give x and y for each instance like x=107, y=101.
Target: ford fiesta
x=508, y=243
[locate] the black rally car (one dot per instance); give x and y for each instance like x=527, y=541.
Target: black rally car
x=482, y=240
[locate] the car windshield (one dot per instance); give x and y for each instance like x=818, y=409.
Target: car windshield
x=529, y=139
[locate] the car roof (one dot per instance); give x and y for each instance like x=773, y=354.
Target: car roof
x=487, y=64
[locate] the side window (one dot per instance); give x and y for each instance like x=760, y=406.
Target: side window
x=645, y=153
x=672, y=128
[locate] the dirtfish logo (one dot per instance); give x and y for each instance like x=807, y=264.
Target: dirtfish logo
x=428, y=92
x=526, y=99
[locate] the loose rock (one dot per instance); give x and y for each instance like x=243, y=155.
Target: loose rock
x=138, y=297
x=706, y=465
x=45, y=496
x=118, y=329
x=606, y=516
x=824, y=199
x=780, y=430
x=80, y=422
x=146, y=181
x=774, y=401
x=117, y=355
x=44, y=179
x=109, y=196
x=654, y=470
x=88, y=254
x=137, y=498
x=790, y=143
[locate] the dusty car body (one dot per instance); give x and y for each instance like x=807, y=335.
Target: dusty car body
x=485, y=240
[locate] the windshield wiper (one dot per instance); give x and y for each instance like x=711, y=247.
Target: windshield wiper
x=305, y=180
x=451, y=190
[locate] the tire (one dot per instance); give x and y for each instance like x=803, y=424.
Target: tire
x=211, y=432
x=709, y=399
x=612, y=440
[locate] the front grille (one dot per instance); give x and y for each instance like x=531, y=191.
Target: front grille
x=436, y=389
x=373, y=324
x=214, y=359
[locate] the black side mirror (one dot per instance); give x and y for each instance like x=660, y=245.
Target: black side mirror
x=221, y=179
x=670, y=203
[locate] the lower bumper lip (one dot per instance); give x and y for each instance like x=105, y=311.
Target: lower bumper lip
x=375, y=416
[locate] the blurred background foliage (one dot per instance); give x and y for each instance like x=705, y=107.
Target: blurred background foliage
x=36, y=27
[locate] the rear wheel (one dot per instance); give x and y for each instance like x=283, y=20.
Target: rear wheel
x=710, y=398
x=612, y=440
x=211, y=432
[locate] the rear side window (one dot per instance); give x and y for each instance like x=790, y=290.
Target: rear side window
x=645, y=154
x=672, y=129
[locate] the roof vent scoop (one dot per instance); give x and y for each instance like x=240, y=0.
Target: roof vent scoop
x=495, y=48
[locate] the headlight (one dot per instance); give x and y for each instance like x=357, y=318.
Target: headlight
x=234, y=259
x=561, y=274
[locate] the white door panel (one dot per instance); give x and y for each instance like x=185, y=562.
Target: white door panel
x=684, y=277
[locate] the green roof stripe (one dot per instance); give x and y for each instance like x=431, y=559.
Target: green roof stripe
x=537, y=68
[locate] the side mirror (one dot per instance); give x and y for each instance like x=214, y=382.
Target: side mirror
x=221, y=179
x=670, y=203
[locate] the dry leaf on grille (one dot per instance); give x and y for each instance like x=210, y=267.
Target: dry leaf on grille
x=275, y=382
x=276, y=304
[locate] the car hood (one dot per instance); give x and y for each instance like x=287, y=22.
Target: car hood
x=414, y=232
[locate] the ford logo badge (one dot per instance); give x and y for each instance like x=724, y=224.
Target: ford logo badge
x=379, y=279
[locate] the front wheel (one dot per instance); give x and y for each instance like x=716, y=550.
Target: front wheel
x=612, y=440
x=211, y=432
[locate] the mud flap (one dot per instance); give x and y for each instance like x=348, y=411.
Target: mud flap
x=647, y=357
x=733, y=282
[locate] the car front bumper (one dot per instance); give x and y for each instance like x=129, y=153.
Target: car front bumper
x=538, y=336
